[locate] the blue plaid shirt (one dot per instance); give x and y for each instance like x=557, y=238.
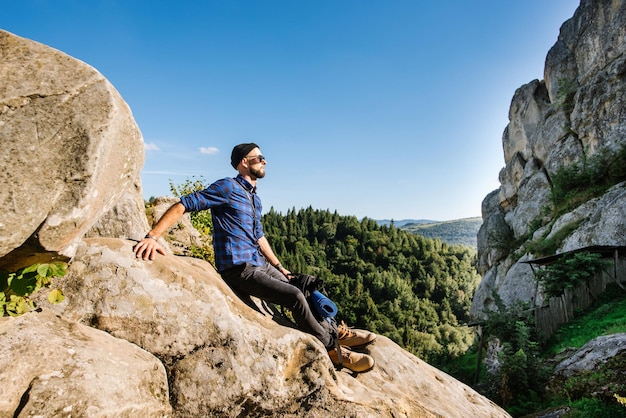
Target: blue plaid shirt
x=236, y=214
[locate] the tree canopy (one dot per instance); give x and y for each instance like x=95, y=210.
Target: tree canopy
x=415, y=290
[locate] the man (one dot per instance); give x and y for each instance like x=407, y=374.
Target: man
x=244, y=257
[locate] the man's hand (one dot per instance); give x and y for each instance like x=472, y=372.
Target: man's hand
x=147, y=249
x=285, y=272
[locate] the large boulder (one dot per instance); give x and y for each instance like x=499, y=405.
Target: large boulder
x=70, y=147
x=226, y=356
x=182, y=237
x=603, y=221
x=126, y=219
x=51, y=367
x=593, y=354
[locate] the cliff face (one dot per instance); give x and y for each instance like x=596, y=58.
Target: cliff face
x=159, y=338
x=576, y=115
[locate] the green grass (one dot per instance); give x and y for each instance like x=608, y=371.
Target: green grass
x=463, y=368
x=607, y=316
x=588, y=407
x=588, y=394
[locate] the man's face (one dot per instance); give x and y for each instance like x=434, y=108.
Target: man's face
x=256, y=164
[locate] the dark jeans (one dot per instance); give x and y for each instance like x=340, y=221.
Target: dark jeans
x=267, y=283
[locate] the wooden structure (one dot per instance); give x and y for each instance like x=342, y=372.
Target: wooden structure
x=560, y=310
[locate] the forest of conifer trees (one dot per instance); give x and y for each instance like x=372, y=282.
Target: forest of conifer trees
x=414, y=290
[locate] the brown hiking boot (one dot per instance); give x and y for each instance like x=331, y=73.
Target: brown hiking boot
x=357, y=362
x=354, y=337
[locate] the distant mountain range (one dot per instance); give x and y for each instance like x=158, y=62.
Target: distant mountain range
x=456, y=232
x=403, y=222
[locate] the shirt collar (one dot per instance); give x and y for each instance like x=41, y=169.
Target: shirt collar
x=246, y=184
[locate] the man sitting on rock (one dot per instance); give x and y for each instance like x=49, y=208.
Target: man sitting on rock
x=244, y=257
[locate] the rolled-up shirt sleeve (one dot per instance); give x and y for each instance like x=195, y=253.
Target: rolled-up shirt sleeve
x=216, y=194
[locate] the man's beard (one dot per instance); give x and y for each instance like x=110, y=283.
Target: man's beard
x=257, y=173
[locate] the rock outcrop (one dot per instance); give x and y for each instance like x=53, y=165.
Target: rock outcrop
x=576, y=113
x=70, y=148
x=177, y=341
x=180, y=238
x=68, y=369
x=593, y=354
x=228, y=358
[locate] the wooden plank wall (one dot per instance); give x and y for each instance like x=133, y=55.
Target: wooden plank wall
x=560, y=310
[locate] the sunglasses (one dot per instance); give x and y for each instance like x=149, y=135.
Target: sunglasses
x=258, y=157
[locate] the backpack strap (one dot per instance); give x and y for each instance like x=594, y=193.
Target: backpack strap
x=333, y=324
x=308, y=284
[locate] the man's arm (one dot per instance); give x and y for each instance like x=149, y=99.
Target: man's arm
x=149, y=246
x=266, y=249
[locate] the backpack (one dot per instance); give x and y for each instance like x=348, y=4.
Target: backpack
x=322, y=307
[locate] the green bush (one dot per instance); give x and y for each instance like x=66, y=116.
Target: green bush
x=19, y=285
x=521, y=377
x=602, y=383
x=569, y=271
x=595, y=393
x=590, y=407
x=565, y=94
x=201, y=221
x=579, y=182
x=544, y=246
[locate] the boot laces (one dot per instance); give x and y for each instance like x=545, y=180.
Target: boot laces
x=345, y=353
x=345, y=332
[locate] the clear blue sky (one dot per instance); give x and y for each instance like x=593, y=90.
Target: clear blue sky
x=386, y=109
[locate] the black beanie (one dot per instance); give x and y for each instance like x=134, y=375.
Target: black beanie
x=239, y=152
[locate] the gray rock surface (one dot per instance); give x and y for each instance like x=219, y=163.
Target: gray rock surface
x=180, y=237
x=576, y=113
x=53, y=368
x=180, y=310
x=70, y=147
x=592, y=354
